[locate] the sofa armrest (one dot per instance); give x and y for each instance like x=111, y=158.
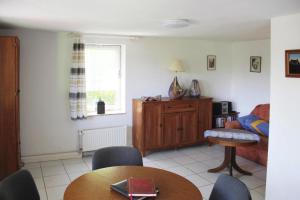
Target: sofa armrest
x=264, y=140
x=233, y=125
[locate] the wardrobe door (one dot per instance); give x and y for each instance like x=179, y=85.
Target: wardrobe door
x=9, y=105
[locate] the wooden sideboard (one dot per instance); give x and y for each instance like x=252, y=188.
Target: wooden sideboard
x=170, y=123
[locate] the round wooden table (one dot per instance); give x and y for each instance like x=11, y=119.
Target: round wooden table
x=230, y=153
x=96, y=185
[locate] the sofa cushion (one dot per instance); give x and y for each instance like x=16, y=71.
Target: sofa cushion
x=246, y=121
x=232, y=133
x=255, y=124
x=260, y=127
x=233, y=124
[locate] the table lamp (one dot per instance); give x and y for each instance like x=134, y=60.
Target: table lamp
x=175, y=90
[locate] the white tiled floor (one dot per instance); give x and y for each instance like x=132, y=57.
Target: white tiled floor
x=52, y=177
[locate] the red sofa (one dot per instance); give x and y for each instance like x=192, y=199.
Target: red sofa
x=259, y=152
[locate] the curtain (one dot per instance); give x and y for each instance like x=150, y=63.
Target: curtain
x=77, y=93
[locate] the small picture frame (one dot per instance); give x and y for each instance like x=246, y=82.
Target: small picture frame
x=255, y=64
x=292, y=63
x=211, y=62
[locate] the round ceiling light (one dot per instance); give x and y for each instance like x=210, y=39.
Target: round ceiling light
x=176, y=23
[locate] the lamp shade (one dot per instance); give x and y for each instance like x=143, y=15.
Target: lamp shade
x=177, y=66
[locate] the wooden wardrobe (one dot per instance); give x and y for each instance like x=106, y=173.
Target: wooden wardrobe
x=9, y=106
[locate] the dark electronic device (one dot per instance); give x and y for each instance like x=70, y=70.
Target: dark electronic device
x=222, y=107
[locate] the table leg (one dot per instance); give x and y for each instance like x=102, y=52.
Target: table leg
x=230, y=162
x=232, y=157
x=225, y=162
x=235, y=165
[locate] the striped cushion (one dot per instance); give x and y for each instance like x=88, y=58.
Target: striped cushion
x=232, y=133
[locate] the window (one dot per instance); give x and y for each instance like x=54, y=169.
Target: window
x=105, y=77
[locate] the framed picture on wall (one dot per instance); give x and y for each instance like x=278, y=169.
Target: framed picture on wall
x=255, y=64
x=211, y=62
x=292, y=63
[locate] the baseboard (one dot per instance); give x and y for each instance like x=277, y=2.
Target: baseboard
x=48, y=157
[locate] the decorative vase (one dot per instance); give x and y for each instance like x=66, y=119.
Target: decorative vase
x=100, y=107
x=175, y=90
x=195, y=89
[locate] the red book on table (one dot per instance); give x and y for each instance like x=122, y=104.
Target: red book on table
x=141, y=187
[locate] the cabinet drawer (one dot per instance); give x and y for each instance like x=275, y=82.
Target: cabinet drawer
x=177, y=106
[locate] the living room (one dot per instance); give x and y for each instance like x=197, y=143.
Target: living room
x=46, y=129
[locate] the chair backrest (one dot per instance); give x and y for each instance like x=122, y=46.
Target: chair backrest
x=229, y=188
x=262, y=111
x=116, y=156
x=19, y=185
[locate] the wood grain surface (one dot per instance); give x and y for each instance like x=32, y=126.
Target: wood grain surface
x=228, y=142
x=170, y=124
x=9, y=106
x=96, y=185
x=230, y=154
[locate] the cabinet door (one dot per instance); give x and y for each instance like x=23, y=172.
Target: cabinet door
x=153, y=125
x=189, y=129
x=171, y=129
x=205, y=117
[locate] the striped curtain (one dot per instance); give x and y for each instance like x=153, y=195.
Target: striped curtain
x=77, y=93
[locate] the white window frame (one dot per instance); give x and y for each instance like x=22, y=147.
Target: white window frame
x=122, y=71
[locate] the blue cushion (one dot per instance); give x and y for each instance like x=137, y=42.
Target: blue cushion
x=245, y=121
x=254, y=124
x=261, y=127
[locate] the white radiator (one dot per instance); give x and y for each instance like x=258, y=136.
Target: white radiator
x=93, y=139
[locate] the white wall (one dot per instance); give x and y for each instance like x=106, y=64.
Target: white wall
x=249, y=88
x=45, y=60
x=46, y=57
x=44, y=119
x=283, y=176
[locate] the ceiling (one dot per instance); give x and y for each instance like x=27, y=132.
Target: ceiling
x=211, y=19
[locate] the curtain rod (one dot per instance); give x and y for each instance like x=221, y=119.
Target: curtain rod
x=76, y=34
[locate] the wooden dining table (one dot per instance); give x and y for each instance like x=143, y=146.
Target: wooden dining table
x=95, y=185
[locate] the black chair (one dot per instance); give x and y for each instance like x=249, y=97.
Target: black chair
x=116, y=156
x=19, y=185
x=229, y=188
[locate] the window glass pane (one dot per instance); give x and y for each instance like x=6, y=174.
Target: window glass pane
x=103, y=76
